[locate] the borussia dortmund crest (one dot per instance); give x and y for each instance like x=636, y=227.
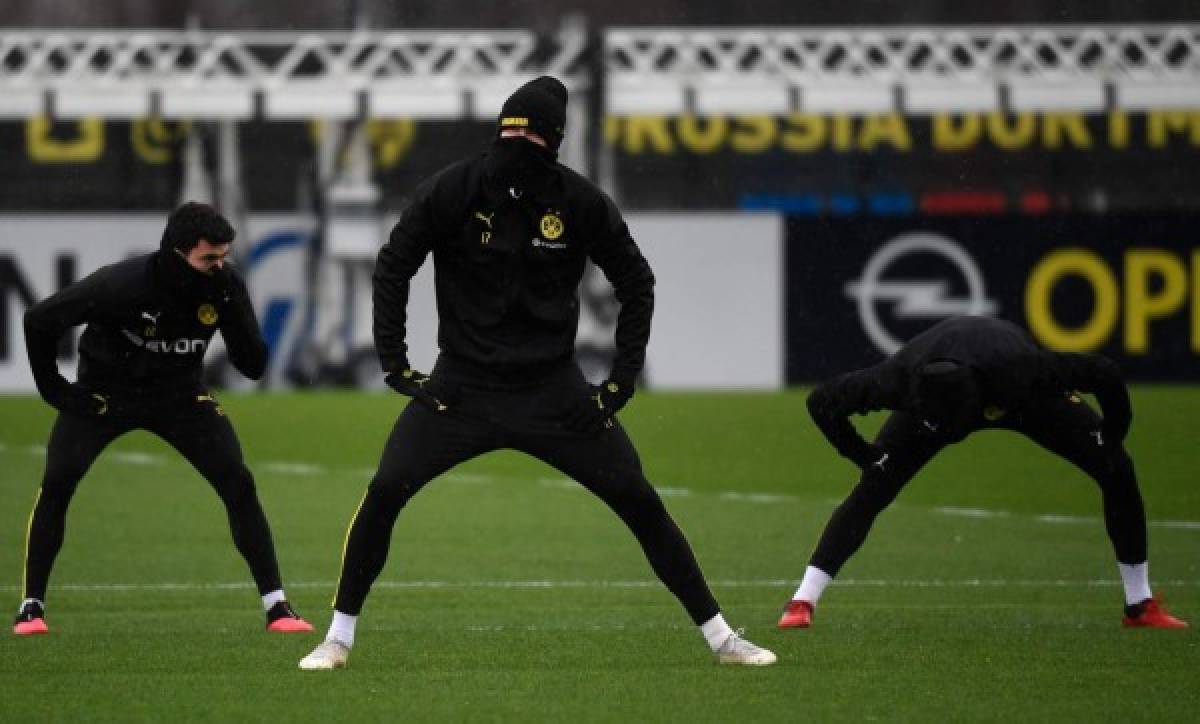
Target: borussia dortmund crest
x=207, y=314
x=552, y=226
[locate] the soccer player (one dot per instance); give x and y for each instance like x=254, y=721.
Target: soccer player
x=967, y=374
x=149, y=321
x=510, y=231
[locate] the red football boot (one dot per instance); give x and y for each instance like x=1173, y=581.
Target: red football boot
x=31, y=627
x=31, y=620
x=282, y=619
x=1150, y=614
x=798, y=614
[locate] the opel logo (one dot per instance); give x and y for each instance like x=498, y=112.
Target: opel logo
x=915, y=298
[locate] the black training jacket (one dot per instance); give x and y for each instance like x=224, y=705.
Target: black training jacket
x=507, y=271
x=1013, y=372
x=144, y=334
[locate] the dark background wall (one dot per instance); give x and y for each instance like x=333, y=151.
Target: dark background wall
x=285, y=15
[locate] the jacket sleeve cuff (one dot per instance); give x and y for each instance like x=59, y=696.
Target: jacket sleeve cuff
x=624, y=377
x=393, y=363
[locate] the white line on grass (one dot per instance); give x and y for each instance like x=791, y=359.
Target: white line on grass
x=285, y=467
x=468, y=478
x=137, y=458
x=1057, y=519
x=1182, y=524
x=568, y=484
x=971, y=512
x=291, y=468
x=758, y=497
x=634, y=584
x=1065, y=519
x=670, y=492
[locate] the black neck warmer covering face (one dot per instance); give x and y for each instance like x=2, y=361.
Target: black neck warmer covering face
x=520, y=164
x=177, y=276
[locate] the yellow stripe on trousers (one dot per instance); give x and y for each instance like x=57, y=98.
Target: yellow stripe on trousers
x=346, y=545
x=28, y=535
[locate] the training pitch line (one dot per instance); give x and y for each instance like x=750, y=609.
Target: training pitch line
x=302, y=469
x=588, y=584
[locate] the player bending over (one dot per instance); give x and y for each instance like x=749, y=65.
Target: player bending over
x=967, y=374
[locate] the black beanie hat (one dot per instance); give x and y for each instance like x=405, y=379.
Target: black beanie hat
x=194, y=221
x=540, y=106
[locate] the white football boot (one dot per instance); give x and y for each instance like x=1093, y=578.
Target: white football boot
x=737, y=650
x=327, y=656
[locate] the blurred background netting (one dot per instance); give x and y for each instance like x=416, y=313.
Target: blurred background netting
x=813, y=185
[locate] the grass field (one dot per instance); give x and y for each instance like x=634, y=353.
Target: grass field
x=987, y=592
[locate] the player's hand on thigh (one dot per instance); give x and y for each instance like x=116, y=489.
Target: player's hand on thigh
x=419, y=386
x=597, y=409
x=76, y=399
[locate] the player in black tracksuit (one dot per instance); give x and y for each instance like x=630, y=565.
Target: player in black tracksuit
x=149, y=321
x=510, y=232
x=967, y=374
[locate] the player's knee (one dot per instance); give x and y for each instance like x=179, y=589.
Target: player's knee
x=53, y=499
x=640, y=497
x=866, y=499
x=1122, y=466
x=59, y=482
x=1118, y=473
x=392, y=492
x=235, y=484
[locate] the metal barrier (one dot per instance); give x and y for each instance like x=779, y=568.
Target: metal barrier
x=465, y=74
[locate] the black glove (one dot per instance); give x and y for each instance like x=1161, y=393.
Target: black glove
x=74, y=399
x=416, y=385
x=597, y=409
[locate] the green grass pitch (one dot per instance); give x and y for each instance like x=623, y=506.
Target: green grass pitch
x=987, y=592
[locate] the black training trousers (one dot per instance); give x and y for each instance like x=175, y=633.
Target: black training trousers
x=1064, y=426
x=486, y=416
x=193, y=424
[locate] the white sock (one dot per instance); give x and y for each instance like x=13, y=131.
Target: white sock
x=1136, y=578
x=813, y=585
x=715, y=631
x=341, y=629
x=272, y=598
x=30, y=600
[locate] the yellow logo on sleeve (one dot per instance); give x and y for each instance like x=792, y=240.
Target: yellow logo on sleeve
x=207, y=314
x=991, y=413
x=551, y=226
